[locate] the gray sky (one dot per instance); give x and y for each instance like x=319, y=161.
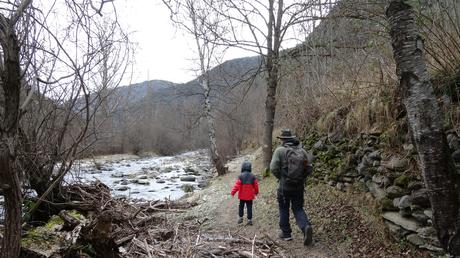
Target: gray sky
x=163, y=51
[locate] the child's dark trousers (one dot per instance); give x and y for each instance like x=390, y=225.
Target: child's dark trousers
x=248, y=206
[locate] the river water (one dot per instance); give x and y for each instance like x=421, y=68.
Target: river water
x=144, y=178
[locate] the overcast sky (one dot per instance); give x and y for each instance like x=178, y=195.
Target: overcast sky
x=163, y=51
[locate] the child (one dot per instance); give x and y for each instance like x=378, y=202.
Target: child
x=247, y=188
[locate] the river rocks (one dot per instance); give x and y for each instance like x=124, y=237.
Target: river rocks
x=118, y=175
x=406, y=223
x=161, y=181
x=394, y=191
x=142, y=177
x=124, y=182
x=188, y=178
x=203, y=184
x=143, y=182
x=122, y=188
x=189, y=170
x=187, y=188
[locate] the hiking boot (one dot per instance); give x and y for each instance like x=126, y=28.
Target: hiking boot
x=284, y=237
x=240, y=220
x=307, y=235
x=250, y=222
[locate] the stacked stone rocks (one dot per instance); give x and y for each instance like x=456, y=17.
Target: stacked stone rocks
x=403, y=200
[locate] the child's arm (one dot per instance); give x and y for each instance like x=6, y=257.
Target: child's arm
x=236, y=187
x=256, y=186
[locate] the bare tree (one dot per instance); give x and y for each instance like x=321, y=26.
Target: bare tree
x=197, y=19
x=263, y=28
x=48, y=75
x=11, y=84
x=426, y=124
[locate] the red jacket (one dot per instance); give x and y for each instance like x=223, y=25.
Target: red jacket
x=247, y=187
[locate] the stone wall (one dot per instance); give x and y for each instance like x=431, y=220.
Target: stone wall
x=364, y=163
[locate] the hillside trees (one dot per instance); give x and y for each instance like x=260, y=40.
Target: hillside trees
x=426, y=124
x=49, y=67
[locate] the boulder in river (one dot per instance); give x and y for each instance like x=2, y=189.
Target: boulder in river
x=187, y=188
x=122, y=188
x=143, y=182
x=118, y=175
x=188, y=178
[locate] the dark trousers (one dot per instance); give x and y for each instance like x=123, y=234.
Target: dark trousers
x=248, y=206
x=286, y=199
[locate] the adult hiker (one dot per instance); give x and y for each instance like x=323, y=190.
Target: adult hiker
x=291, y=164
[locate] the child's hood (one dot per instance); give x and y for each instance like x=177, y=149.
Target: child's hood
x=246, y=167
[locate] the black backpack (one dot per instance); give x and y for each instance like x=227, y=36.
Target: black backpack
x=295, y=167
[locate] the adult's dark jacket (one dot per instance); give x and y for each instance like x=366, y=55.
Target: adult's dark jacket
x=278, y=163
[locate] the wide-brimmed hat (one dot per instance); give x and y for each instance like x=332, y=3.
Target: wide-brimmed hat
x=286, y=134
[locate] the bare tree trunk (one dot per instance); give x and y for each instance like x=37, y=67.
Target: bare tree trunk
x=13, y=201
x=216, y=159
x=205, y=50
x=9, y=179
x=272, y=66
x=270, y=101
x=426, y=127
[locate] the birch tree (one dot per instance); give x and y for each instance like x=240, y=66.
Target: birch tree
x=197, y=19
x=426, y=124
